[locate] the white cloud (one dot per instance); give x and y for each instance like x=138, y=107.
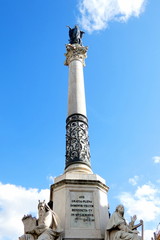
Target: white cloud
x=133, y=180
x=15, y=201
x=51, y=179
x=145, y=203
x=156, y=159
x=148, y=234
x=95, y=14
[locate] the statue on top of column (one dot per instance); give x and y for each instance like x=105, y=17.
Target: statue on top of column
x=75, y=35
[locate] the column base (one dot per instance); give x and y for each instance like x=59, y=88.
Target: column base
x=78, y=167
x=82, y=238
x=80, y=201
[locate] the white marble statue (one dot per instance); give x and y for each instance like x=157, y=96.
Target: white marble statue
x=47, y=226
x=118, y=229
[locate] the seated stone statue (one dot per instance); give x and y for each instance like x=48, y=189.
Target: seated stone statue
x=118, y=229
x=47, y=226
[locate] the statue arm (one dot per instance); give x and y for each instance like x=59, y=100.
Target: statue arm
x=134, y=227
x=39, y=229
x=133, y=219
x=43, y=226
x=125, y=228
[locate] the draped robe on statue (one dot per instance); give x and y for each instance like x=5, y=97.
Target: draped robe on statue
x=117, y=229
x=48, y=227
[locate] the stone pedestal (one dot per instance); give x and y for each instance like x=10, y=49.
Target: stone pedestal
x=80, y=201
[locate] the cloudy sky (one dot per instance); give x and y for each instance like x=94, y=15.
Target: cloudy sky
x=123, y=103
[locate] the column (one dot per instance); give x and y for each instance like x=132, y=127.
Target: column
x=77, y=142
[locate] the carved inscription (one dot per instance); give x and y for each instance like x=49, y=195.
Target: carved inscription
x=82, y=210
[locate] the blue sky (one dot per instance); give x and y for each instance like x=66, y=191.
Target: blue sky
x=122, y=93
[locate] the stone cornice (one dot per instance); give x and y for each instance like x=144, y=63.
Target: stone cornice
x=75, y=52
x=75, y=182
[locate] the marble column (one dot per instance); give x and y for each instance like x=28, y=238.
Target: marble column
x=77, y=142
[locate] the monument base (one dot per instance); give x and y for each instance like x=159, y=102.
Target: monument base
x=80, y=200
x=83, y=239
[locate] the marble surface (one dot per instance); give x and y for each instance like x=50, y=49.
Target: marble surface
x=80, y=201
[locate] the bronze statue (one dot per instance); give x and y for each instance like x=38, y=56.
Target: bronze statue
x=75, y=35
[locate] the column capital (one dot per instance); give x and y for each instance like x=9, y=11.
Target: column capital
x=75, y=52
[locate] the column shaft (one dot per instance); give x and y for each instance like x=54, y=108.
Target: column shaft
x=76, y=92
x=77, y=141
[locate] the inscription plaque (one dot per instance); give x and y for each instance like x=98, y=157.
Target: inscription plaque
x=82, y=210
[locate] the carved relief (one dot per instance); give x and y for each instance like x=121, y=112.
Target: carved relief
x=77, y=143
x=75, y=52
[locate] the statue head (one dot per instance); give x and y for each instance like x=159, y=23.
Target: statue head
x=44, y=207
x=41, y=205
x=76, y=26
x=120, y=209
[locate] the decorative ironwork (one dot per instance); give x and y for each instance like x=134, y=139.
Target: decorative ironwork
x=77, y=142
